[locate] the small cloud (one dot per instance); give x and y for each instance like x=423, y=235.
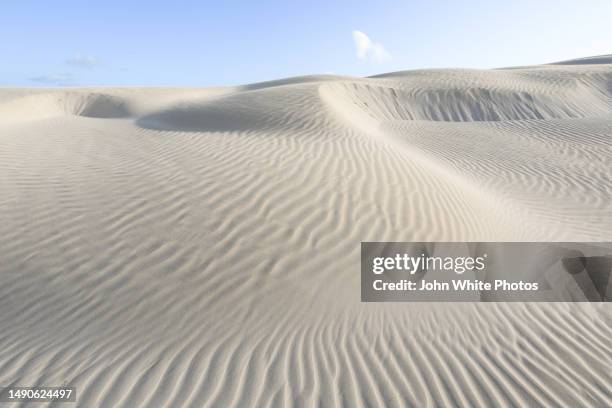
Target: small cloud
x=83, y=61
x=54, y=79
x=366, y=48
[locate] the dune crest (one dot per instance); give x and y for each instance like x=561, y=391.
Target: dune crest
x=60, y=103
x=472, y=104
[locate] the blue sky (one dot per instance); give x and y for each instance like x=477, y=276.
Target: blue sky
x=202, y=43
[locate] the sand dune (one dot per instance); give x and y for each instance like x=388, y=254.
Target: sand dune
x=194, y=247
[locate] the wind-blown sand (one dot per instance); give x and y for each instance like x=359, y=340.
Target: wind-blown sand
x=194, y=247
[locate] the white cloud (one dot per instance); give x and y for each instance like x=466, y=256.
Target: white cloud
x=368, y=49
x=83, y=61
x=54, y=79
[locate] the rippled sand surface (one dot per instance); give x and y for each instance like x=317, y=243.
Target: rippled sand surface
x=200, y=247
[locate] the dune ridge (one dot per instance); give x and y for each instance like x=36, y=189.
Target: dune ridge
x=193, y=247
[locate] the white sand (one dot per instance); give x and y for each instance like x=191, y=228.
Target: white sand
x=170, y=247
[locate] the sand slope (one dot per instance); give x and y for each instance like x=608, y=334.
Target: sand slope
x=193, y=247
